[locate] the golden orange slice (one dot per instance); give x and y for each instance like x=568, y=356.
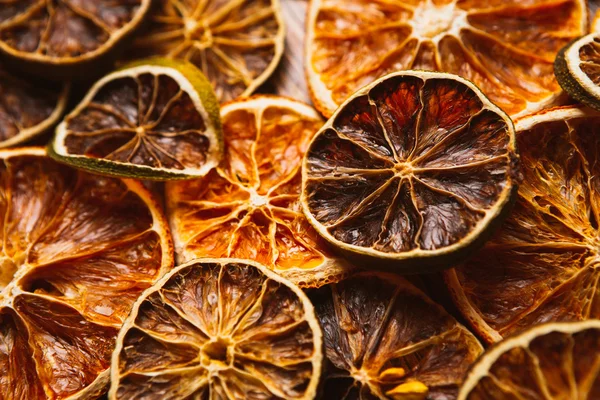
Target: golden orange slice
x=507, y=48
x=77, y=251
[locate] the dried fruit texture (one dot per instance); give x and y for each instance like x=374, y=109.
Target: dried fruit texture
x=157, y=120
x=249, y=207
x=385, y=339
x=552, y=361
x=77, y=250
x=219, y=329
x=507, y=48
x=543, y=264
x=236, y=43
x=417, y=167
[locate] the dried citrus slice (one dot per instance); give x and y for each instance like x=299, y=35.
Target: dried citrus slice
x=385, y=339
x=66, y=37
x=28, y=108
x=415, y=169
x=543, y=264
x=77, y=251
x=550, y=361
x=249, y=207
x=236, y=43
x=219, y=329
x=155, y=119
x=507, y=48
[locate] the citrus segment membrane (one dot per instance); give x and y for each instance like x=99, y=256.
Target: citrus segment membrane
x=416, y=166
x=542, y=265
x=555, y=360
x=156, y=120
x=506, y=48
x=77, y=250
x=219, y=328
x=236, y=43
x=249, y=206
x=385, y=339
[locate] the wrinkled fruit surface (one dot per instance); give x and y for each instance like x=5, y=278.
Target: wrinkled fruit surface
x=77, y=251
x=385, y=339
x=219, y=329
x=416, y=165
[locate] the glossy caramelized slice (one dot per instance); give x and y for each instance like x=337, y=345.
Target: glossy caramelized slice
x=506, y=47
x=236, y=43
x=219, y=329
x=249, y=207
x=416, y=168
x=543, y=264
x=77, y=250
x=551, y=361
x=385, y=339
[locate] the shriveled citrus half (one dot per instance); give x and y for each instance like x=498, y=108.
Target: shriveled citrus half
x=77, y=251
x=385, y=339
x=414, y=170
x=28, y=108
x=550, y=361
x=219, y=329
x=63, y=38
x=236, y=43
x=507, y=48
x=155, y=119
x=249, y=207
x=543, y=264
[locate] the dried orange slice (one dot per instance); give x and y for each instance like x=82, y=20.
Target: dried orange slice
x=77, y=251
x=414, y=170
x=155, y=119
x=67, y=37
x=550, y=361
x=236, y=43
x=219, y=329
x=385, y=339
x=507, y=48
x=249, y=207
x=543, y=264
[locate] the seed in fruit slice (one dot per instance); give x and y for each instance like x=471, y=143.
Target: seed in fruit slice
x=28, y=108
x=414, y=170
x=219, y=329
x=249, y=207
x=385, y=339
x=550, y=361
x=77, y=251
x=155, y=119
x=506, y=48
x=236, y=43
x=63, y=38
x=542, y=265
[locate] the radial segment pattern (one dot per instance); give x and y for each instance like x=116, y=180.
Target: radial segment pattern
x=507, y=48
x=249, y=207
x=219, y=329
x=416, y=168
x=236, y=43
x=543, y=264
x=77, y=251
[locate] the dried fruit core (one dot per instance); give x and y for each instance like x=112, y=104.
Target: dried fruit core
x=218, y=353
x=430, y=21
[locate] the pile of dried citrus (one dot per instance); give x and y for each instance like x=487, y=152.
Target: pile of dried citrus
x=430, y=230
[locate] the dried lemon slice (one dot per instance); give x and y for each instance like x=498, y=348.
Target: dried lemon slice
x=77, y=251
x=550, y=361
x=414, y=170
x=236, y=43
x=385, y=339
x=249, y=207
x=506, y=48
x=219, y=329
x=155, y=119
x=543, y=264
